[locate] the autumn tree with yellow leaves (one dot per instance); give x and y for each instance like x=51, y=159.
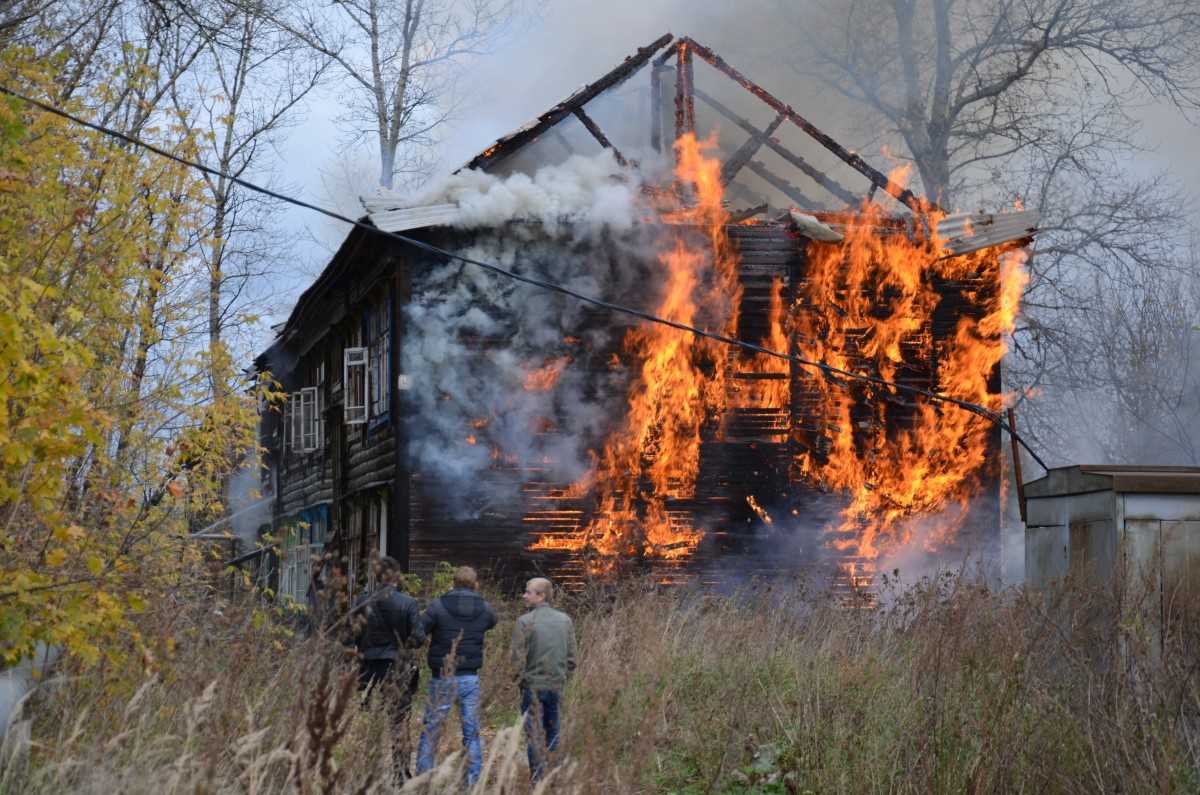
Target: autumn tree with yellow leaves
x=110, y=439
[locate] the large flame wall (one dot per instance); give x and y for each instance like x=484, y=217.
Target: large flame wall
x=709, y=441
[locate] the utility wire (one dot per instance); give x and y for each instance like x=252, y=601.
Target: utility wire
x=829, y=371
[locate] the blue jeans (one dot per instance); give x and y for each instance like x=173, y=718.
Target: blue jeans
x=443, y=693
x=541, y=735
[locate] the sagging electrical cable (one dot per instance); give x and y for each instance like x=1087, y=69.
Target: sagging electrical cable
x=828, y=370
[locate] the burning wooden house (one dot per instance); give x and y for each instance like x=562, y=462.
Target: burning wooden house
x=440, y=407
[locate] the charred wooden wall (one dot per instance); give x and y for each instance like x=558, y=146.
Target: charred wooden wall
x=747, y=451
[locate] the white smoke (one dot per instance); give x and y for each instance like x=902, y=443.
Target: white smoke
x=248, y=509
x=583, y=194
x=475, y=337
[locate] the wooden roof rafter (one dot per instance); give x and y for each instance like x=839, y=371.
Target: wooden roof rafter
x=816, y=175
x=684, y=50
x=687, y=47
x=571, y=106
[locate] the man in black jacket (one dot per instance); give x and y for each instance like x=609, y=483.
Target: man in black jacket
x=456, y=623
x=390, y=625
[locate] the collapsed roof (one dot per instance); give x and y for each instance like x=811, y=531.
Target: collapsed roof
x=821, y=192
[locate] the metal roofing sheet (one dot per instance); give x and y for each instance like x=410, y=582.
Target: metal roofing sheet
x=966, y=232
x=1083, y=478
x=401, y=219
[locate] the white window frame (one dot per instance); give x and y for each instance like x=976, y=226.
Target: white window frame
x=285, y=430
x=356, y=393
x=295, y=571
x=294, y=422
x=310, y=426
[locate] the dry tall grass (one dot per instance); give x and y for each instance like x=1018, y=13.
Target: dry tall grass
x=947, y=688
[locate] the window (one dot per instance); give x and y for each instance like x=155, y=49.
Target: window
x=379, y=347
x=294, y=565
x=285, y=425
x=310, y=415
x=357, y=379
x=379, y=519
x=303, y=545
x=294, y=423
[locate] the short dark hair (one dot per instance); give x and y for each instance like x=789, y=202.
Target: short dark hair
x=390, y=567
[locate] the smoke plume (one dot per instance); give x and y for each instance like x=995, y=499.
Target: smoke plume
x=507, y=377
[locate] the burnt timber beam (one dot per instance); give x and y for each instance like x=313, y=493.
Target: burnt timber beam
x=685, y=100
x=747, y=151
x=782, y=185
x=599, y=135
x=667, y=54
x=509, y=145
x=902, y=195
x=749, y=212
x=657, y=106
x=810, y=171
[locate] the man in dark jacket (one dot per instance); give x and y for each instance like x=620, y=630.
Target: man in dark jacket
x=389, y=626
x=456, y=623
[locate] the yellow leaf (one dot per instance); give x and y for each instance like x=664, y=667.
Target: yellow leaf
x=94, y=564
x=70, y=533
x=56, y=556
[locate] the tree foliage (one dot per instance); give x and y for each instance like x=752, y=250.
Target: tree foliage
x=107, y=446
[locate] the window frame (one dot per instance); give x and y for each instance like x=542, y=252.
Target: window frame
x=310, y=425
x=379, y=349
x=356, y=392
x=293, y=429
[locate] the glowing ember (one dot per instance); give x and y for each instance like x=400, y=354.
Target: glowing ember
x=654, y=455
x=545, y=377
x=758, y=509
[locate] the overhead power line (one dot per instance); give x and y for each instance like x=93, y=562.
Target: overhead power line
x=829, y=371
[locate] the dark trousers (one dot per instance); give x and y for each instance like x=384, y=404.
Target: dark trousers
x=540, y=708
x=395, y=684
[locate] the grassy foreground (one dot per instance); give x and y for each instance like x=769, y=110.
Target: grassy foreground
x=947, y=687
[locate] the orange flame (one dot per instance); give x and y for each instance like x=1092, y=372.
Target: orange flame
x=869, y=308
x=866, y=305
x=654, y=456
x=545, y=377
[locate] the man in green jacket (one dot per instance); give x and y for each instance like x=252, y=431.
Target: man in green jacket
x=543, y=656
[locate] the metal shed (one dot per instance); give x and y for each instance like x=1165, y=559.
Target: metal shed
x=1133, y=530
